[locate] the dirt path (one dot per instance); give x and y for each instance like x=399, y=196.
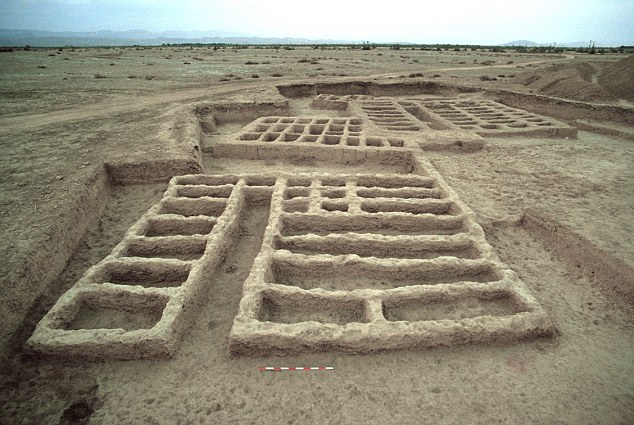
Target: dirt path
x=32, y=121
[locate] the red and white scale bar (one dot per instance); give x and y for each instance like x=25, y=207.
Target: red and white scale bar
x=272, y=368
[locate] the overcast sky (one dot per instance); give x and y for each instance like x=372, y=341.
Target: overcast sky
x=608, y=22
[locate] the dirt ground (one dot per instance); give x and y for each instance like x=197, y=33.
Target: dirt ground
x=68, y=117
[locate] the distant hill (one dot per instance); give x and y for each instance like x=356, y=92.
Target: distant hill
x=524, y=43
x=16, y=38
x=35, y=38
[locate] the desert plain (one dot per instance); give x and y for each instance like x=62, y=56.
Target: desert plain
x=90, y=137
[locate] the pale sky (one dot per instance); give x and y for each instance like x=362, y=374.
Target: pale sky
x=609, y=22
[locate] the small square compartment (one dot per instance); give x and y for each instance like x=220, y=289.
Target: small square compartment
x=334, y=206
x=189, y=207
x=290, y=137
x=322, y=121
x=333, y=193
x=308, y=139
x=374, y=142
x=279, y=128
x=338, y=121
x=185, y=249
x=441, y=208
x=297, y=309
x=332, y=140
x=287, y=120
x=299, y=182
x=123, y=310
x=270, y=120
x=333, y=181
x=447, y=307
x=260, y=180
x=148, y=274
x=270, y=137
x=352, y=141
x=178, y=227
x=316, y=129
x=354, y=121
x=262, y=128
x=296, y=192
x=250, y=136
x=335, y=127
x=354, y=128
x=208, y=180
x=298, y=128
x=396, y=143
x=201, y=190
x=296, y=205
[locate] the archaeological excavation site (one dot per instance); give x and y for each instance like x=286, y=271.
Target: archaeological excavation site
x=463, y=247
x=346, y=262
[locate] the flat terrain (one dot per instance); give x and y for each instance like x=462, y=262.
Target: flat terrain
x=67, y=115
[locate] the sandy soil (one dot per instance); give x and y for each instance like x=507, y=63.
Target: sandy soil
x=60, y=128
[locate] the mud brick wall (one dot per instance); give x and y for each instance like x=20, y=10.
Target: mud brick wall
x=492, y=119
x=339, y=140
x=360, y=263
x=348, y=262
x=137, y=301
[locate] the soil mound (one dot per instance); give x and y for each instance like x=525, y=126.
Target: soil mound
x=570, y=80
x=618, y=79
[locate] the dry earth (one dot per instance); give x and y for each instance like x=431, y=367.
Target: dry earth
x=78, y=127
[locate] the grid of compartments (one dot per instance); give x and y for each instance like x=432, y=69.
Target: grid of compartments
x=316, y=131
x=368, y=262
x=333, y=101
x=389, y=115
x=135, y=302
x=490, y=118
